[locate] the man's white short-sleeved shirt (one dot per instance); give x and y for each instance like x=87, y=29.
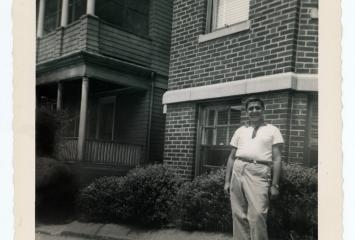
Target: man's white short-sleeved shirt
x=259, y=147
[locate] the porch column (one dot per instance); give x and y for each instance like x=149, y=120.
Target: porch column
x=59, y=96
x=40, y=22
x=64, y=17
x=82, y=121
x=90, y=7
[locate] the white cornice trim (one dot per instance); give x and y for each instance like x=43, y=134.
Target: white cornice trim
x=290, y=80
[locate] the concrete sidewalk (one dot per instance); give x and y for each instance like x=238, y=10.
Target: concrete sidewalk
x=124, y=232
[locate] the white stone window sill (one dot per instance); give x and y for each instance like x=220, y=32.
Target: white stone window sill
x=224, y=31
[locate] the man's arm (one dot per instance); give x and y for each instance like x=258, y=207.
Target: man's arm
x=276, y=157
x=229, y=168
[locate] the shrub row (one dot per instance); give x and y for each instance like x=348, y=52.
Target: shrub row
x=295, y=211
x=155, y=196
x=145, y=196
x=202, y=204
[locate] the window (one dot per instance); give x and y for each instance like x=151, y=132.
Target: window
x=53, y=11
x=77, y=8
x=217, y=126
x=225, y=17
x=106, y=118
x=130, y=15
x=225, y=13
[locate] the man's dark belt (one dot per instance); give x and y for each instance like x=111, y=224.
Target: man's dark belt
x=267, y=163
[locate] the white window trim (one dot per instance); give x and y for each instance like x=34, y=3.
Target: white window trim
x=238, y=27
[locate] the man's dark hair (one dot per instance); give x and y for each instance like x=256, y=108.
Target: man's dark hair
x=254, y=99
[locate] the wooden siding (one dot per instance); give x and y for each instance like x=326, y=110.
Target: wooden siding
x=94, y=35
x=70, y=40
x=132, y=124
x=160, y=32
x=157, y=127
x=45, y=47
x=131, y=117
x=122, y=45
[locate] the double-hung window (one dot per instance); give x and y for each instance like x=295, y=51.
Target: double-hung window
x=129, y=15
x=217, y=125
x=225, y=17
x=53, y=11
x=77, y=8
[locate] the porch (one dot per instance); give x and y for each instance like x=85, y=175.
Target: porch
x=106, y=125
x=101, y=152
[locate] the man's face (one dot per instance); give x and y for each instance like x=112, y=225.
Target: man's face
x=255, y=111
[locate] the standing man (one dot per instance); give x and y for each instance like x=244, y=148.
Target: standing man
x=254, y=159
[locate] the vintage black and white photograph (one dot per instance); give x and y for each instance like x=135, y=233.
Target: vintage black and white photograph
x=176, y=119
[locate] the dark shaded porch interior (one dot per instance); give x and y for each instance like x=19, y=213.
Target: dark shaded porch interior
x=117, y=121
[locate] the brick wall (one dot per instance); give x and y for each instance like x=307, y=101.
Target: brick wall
x=180, y=138
x=285, y=109
x=307, y=39
x=298, y=127
x=268, y=47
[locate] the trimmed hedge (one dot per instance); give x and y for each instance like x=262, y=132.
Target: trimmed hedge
x=145, y=196
x=155, y=196
x=203, y=205
x=56, y=189
x=295, y=211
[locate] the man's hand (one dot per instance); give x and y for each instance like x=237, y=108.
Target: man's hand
x=226, y=188
x=229, y=168
x=274, y=192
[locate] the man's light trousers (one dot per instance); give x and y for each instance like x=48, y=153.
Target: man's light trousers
x=249, y=194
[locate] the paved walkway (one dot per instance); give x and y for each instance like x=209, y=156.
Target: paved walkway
x=124, y=232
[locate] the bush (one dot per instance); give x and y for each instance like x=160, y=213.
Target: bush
x=145, y=196
x=154, y=196
x=203, y=205
x=50, y=127
x=295, y=211
x=56, y=188
x=47, y=125
x=99, y=200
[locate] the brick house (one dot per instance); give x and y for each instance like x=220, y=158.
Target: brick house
x=106, y=64
x=224, y=51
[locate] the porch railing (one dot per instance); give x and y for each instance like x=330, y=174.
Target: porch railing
x=102, y=152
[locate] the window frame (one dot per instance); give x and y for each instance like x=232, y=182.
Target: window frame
x=72, y=9
x=211, y=32
x=216, y=125
x=125, y=13
x=56, y=15
x=202, y=119
x=101, y=102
